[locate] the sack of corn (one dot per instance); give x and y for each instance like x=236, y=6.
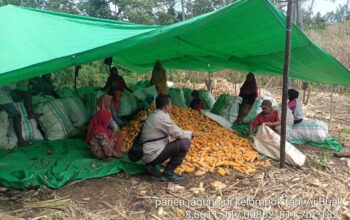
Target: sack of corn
x=309, y=130
x=219, y=104
x=128, y=104
x=207, y=98
x=55, y=122
x=142, y=93
x=267, y=142
x=4, y=125
x=140, y=85
x=231, y=108
x=30, y=130
x=218, y=119
x=177, y=97
x=187, y=94
x=76, y=111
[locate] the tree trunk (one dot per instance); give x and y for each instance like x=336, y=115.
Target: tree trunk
x=183, y=9
x=299, y=15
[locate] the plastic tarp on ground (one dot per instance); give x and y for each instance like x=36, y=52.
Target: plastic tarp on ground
x=55, y=163
x=247, y=35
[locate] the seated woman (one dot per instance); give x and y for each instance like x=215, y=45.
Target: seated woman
x=295, y=105
x=248, y=92
x=105, y=143
x=196, y=103
x=268, y=116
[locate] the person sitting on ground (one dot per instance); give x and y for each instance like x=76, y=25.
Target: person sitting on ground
x=159, y=78
x=248, y=92
x=8, y=94
x=148, y=102
x=156, y=131
x=295, y=105
x=115, y=81
x=196, y=103
x=43, y=85
x=102, y=136
x=269, y=116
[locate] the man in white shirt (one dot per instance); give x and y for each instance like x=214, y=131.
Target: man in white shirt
x=155, y=135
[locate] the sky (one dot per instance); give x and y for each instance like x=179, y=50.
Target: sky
x=325, y=6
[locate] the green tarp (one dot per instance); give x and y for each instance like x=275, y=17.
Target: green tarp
x=54, y=163
x=247, y=35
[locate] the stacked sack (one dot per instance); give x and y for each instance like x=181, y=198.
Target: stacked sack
x=30, y=130
x=4, y=124
x=227, y=106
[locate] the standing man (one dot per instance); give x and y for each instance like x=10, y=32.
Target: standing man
x=155, y=135
x=115, y=81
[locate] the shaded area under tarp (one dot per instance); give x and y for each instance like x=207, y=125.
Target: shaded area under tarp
x=54, y=163
x=246, y=35
x=330, y=143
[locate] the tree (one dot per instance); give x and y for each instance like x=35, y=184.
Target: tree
x=95, y=8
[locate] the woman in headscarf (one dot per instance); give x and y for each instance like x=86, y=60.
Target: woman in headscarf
x=295, y=105
x=248, y=92
x=196, y=103
x=159, y=78
x=105, y=143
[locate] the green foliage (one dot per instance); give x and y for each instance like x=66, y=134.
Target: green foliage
x=93, y=74
x=321, y=160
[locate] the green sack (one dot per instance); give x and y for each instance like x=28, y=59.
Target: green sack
x=177, y=97
x=187, y=94
x=207, y=98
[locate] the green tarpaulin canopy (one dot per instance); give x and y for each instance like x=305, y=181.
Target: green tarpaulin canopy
x=247, y=35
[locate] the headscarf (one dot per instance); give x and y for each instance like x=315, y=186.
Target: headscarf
x=249, y=86
x=99, y=124
x=292, y=94
x=196, y=100
x=103, y=102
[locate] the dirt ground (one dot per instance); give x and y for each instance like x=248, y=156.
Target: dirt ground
x=319, y=190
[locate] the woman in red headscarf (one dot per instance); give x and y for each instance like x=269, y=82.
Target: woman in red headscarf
x=248, y=92
x=104, y=144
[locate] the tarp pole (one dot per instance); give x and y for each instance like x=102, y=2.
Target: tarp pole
x=285, y=84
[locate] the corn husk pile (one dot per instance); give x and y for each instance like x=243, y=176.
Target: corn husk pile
x=213, y=149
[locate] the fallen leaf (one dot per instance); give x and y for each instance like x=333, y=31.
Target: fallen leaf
x=161, y=212
x=180, y=213
x=142, y=192
x=175, y=187
x=218, y=186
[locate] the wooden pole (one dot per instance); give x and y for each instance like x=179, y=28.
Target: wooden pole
x=285, y=84
x=331, y=110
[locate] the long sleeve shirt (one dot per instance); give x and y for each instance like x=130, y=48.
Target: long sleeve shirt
x=157, y=125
